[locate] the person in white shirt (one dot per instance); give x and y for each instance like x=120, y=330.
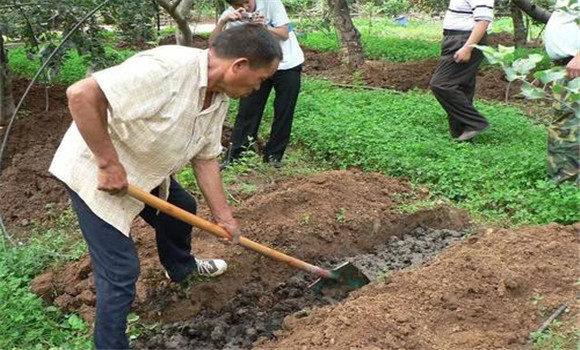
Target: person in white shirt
x=286, y=81
x=140, y=122
x=562, y=41
x=453, y=83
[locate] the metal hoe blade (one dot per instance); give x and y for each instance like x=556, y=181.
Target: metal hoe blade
x=344, y=275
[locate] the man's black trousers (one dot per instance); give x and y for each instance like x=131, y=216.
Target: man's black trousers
x=453, y=84
x=116, y=265
x=286, y=84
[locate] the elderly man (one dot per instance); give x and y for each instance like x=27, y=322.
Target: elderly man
x=453, y=83
x=286, y=81
x=562, y=41
x=139, y=123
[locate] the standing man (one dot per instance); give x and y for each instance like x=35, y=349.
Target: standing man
x=453, y=83
x=286, y=81
x=562, y=40
x=139, y=123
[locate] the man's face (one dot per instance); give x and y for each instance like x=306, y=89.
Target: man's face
x=241, y=80
x=248, y=5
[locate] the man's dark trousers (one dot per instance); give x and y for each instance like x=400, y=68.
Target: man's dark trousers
x=453, y=84
x=116, y=265
x=286, y=83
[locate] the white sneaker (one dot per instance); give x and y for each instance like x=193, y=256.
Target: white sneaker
x=211, y=267
x=208, y=267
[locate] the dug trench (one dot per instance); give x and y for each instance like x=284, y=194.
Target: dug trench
x=324, y=218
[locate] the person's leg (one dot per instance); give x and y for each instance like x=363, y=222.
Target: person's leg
x=287, y=87
x=115, y=270
x=248, y=119
x=451, y=84
x=564, y=148
x=173, y=236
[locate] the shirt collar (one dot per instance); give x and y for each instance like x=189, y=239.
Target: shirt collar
x=203, y=69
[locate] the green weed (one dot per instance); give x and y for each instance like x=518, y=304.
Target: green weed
x=26, y=322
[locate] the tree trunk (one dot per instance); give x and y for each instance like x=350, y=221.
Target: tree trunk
x=180, y=11
x=6, y=99
x=349, y=36
x=537, y=13
x=520, y=29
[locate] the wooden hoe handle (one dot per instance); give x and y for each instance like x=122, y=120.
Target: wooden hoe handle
x=218, y=231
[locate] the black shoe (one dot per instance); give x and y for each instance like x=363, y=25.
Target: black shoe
x=273, y=161
x=470, y=134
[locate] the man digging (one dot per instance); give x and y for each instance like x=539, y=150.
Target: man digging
x=139, y=123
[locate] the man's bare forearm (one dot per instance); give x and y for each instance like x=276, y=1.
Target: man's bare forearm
x=281, y=33
x=88, y=106
x=209, y=179
x=477, y=33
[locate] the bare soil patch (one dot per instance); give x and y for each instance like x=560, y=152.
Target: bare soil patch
x=26, y=186
x=317, y=218
x=491, y=83
x=476, y=295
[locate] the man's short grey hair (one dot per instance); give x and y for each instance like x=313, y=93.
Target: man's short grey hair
x=251, y=41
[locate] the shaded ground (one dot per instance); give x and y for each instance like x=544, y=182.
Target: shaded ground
x=487, y=293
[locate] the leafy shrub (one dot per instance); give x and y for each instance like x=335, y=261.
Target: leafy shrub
x=73, y=68
x=500, y=177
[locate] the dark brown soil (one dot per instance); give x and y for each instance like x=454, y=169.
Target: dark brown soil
x=481, y=294
x=26, y=187
x=329, y=215
x=406, y=76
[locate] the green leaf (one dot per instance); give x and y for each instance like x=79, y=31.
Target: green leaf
x=511, y=74
x=132, y=318
x=550, y=75
x=531, y=92
x=524, y=65
x=574, y=85
x=506, y=50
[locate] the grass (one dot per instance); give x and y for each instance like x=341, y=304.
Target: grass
x=558, y=336
x=26, y=322
x=500, y=178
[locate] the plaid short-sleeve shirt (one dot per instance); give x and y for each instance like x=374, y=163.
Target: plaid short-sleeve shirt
x=156, y=123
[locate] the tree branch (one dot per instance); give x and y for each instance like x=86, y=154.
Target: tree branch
x=536, y=12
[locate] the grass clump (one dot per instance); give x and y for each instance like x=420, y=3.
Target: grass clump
x=501, y=177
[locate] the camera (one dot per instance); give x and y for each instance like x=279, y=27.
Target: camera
x=250, y=17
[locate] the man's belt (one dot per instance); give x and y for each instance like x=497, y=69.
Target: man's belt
x=447, y=32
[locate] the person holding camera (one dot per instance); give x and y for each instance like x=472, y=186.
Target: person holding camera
x=286, y=81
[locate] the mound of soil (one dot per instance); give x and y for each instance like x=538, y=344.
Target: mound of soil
x=405, y=76
x=26, y=186
x=244, y=320
x=317, y=218
x=486, y=293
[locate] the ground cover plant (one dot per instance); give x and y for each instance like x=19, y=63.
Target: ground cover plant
x=500, y=177
x=28, y=323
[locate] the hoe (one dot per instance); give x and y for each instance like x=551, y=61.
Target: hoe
x=344, y=275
